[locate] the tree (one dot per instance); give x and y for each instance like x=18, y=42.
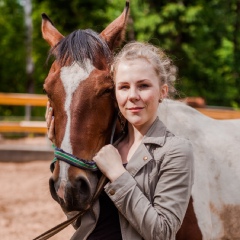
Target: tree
x=202, y=37
x=12, y=52
x=199, y=36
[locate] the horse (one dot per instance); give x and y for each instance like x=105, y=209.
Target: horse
x=80, y=89
x=215, y=198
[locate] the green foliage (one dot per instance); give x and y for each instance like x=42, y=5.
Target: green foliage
x=202, y=37
x=12, y=50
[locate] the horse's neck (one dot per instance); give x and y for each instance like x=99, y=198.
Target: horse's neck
x=184, y=120
x=180, y=118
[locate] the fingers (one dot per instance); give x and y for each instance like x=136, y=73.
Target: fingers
x=51, y=134
x=47, y=109
x=50, y=122
x=109, y=162
x=102, y=151
x=49, y=116
x=107, y=153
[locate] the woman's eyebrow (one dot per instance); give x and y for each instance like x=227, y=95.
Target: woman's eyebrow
x=140, y=80
x=122, y=83
x=143, y=80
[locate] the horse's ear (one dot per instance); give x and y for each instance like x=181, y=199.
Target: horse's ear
x=114, y=33
x=49, y=32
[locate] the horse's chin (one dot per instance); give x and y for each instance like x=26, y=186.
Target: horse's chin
x=69, y=208
x=73, y=200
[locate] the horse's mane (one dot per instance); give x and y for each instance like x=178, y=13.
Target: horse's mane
x=79, y=46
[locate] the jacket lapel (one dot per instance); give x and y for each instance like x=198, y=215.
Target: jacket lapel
x=141, y=157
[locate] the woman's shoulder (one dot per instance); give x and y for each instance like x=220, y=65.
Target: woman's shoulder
x=160, y=136
x=179, y=144
x=173, y=147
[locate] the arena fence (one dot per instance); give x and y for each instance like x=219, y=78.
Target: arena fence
x=18, y=99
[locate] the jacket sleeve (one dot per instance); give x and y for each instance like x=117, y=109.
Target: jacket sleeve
x=161, y=219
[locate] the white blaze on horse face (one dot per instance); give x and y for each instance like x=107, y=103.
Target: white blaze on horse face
x=63, y=174
x=71, y=77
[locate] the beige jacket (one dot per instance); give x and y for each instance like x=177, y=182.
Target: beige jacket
x=152, y=196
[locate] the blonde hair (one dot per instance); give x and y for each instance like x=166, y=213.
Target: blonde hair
x=162, y=64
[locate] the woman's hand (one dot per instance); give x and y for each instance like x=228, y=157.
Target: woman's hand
x=109, y=162
x=50, y=122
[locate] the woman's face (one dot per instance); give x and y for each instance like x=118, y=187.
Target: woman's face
x=138, y=91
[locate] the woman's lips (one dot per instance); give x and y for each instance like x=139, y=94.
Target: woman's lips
x=135, y=109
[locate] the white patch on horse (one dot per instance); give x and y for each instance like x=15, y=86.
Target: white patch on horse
x=71, y=77
x=216, y=150
x=63, y=171
x=63, y=179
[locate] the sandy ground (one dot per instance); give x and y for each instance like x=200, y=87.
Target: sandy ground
x=26, y=206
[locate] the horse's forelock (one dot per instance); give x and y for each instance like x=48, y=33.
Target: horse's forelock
x=79, y=46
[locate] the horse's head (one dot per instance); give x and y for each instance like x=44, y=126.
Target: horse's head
x=80, y=90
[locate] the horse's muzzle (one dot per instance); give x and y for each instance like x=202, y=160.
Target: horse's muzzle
x=72, y=195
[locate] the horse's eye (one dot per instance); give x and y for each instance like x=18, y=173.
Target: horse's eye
x=106, y=91
x=45, y=92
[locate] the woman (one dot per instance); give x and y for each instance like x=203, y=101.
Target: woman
x=150, y=170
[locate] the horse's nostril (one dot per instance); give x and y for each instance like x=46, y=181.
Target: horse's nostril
x=52, y=189
x=83, y=188
x=74, y=194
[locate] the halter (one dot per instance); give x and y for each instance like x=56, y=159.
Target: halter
x=83, y=164
x=72, y=160
x=60, y=154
